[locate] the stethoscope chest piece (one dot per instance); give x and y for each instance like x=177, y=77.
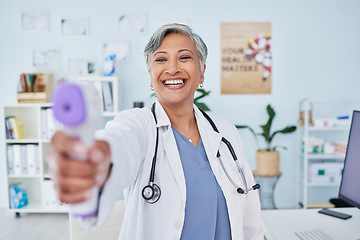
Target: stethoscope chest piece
x=151, y=193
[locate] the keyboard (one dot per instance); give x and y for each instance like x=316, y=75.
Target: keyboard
x=313, y=234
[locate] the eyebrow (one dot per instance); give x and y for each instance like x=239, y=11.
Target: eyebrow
x=181, y=50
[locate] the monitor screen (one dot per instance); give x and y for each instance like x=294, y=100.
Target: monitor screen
x=350, y=182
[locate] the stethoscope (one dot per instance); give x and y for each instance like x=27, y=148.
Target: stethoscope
x=151, y=192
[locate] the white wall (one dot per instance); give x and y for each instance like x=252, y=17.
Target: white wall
x=315, y=54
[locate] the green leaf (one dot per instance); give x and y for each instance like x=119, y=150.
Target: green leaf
x=278, y=146
x=202, y=106
x=267, y=127
x=288, y=129
x=202, y=92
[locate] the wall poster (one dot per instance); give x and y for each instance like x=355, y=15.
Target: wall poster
x=246, y=58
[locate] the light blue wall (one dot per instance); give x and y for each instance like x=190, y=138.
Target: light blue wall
x=316, y=54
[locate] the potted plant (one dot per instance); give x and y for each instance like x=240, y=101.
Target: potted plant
x=267, y=159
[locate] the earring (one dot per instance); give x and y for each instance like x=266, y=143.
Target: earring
x=201, y=85
x=151, y=87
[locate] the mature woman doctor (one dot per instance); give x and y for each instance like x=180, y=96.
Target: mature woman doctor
x=194, y=193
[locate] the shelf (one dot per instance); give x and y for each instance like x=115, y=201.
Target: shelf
x=37, y=207
x=337, y=156
x=320, y=204
x=23, y=176
x=335, y=128
x=22, y=140
x=311, y=184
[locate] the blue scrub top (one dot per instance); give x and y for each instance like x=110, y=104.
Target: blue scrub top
x=206, y=214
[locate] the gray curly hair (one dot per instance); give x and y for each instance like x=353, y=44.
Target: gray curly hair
x=157, y=38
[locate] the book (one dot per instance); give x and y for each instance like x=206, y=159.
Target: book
x=9, y=129
x=18, y=196
x=18, y=128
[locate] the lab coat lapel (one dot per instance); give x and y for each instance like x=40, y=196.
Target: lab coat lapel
x=211, y=140
x=170, y=148
x=173, y=156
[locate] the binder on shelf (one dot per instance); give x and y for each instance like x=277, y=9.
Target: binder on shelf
x=37, y=160
x=98, y=87
x=31, y=158
x=10, y=158
x=49, y=198
x=44, y=123
x=17, y=159
x=18, y=196
x=107, y=96
x=51, y=125
x=24, y=159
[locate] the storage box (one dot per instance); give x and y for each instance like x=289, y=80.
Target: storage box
x=326, y=172
x=36, y=88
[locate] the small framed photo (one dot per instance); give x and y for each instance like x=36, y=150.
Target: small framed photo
x=74, y=27
x=35, y=21
x=45, y=58
x=132, y=23
x=77, y=66
x=121, y=50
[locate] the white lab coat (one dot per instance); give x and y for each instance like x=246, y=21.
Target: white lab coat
x=132, y=136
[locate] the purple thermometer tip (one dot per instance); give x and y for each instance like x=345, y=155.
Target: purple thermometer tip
x=69, y=105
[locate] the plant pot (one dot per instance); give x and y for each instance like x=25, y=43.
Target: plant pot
x=267, y=163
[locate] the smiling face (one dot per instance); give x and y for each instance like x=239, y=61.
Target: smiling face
x=175, y=70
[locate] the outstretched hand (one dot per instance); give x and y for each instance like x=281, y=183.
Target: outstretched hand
x=74, y=178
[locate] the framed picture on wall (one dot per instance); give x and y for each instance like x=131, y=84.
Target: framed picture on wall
x=45, y=58
x=34, y=21
x=74, y=27
x=121, y=50
x=131, y=23
x=80, y=66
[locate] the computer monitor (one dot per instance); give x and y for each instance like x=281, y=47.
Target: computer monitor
x=350, y=182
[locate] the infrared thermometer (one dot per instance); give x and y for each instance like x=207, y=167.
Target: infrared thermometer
x=77, y=107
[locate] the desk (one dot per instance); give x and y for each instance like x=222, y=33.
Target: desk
x=282, y=224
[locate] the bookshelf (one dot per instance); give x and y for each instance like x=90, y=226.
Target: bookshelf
x=108, y=89
x=315, y=186
x=26, y=163
x=30, y=151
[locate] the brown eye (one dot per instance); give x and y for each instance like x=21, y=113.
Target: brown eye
x=160, y=60
x=185, y=57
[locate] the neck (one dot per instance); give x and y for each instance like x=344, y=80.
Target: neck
x=181, y=117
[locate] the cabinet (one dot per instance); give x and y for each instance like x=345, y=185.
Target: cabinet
x=319, y=169
x=26, y=157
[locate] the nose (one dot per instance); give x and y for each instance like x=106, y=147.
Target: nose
x=172, y=67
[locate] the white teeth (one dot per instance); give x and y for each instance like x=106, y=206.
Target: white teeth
x=174, y=82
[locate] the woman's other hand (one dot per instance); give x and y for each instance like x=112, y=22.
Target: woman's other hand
x=74, y=178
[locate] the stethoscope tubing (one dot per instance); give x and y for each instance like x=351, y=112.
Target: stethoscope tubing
x=151, y=192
